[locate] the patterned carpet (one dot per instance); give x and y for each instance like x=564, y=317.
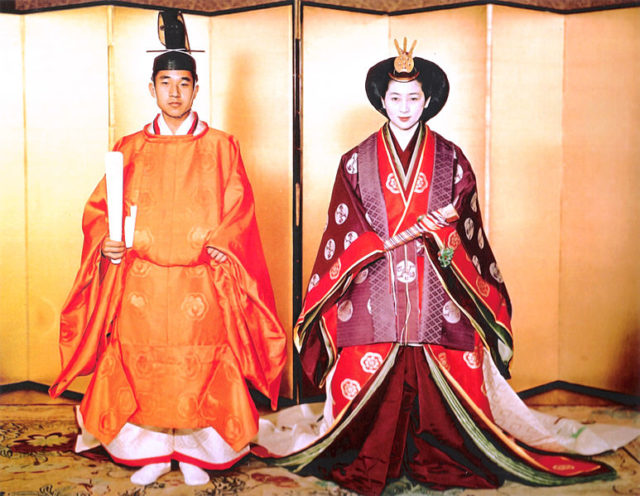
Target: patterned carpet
x=37, y=459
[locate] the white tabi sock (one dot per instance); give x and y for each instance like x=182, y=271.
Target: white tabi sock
x=193, y=476
x=150, y=473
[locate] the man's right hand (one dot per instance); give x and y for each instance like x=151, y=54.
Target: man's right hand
x=113, y=250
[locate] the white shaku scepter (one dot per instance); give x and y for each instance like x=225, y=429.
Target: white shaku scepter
x=113, y=165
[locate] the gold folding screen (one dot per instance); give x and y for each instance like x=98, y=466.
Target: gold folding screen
x=336, y=112
x=251, y=81
x=545, y=106
x=599, y=338
x=526, y=180
x=14, y=345
x=66, y=118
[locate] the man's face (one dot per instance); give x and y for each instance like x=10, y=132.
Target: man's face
x=174, y=92
x=404, y=103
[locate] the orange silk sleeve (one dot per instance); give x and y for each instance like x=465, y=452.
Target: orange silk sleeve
x=89, y=309
x=257, y=338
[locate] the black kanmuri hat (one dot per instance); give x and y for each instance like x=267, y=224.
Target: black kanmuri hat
x=405, y=68
x=172, y=32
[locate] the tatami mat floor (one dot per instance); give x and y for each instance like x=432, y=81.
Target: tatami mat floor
x=33, y=461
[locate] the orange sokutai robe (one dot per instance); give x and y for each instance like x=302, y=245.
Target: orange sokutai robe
x=407, y=326
x=169, y=334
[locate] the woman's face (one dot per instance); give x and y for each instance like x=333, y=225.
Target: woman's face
x=404, y=103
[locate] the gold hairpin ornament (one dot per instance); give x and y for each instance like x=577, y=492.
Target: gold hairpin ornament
x=404, y=61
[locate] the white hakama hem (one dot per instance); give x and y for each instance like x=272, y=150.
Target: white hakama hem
x=135, y=446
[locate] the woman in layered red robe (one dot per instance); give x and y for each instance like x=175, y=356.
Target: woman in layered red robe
x=406, y=322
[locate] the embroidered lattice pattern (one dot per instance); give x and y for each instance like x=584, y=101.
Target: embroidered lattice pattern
x=433, y=298
x=373, y=201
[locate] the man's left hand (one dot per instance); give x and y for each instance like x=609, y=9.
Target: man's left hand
x=217, y=255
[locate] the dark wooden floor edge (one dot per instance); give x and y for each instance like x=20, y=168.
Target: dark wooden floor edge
x=260, y=399
x=39, y=387
x=617, y=397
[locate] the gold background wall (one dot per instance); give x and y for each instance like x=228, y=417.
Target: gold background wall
x=13, y=257
x=526, y=167
x=545, y=106
x=599, y=306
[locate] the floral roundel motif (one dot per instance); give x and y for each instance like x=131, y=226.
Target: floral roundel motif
x=233, y=428
x=480, y=239
x=140, y=268
x=137, y=300
x=451, y=312
x=350, y=388
x=476, y=264
x=329, y=249
x=454, y=240
x=406, y=271
x=313, y=282
x=482, y=286
x=197, y=237
x=107, y=366
x=471, y=359
x=444, y=360
x=335, y=270
x=352, y=164
x=341, y=214
x=371, y=362
x=125, y=400
x=191, y=366
x=195, y=306
x=474, y=202
x=362, y=276
x=349, y=238
x=108, y=422
x=469, y=228
x=495, y=272
x=143, y=239
x=392, y=184
x=421, y=183
x=143, y=365
x=187, y=405
x=345, y=311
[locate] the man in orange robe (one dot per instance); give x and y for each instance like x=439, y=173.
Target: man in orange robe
x=172, y=331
